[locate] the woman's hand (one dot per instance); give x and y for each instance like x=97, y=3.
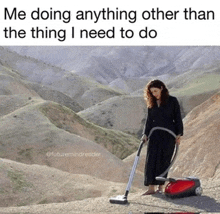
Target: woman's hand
x=144, y=138
x=178, y=139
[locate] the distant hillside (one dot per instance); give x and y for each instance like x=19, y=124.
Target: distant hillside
x=14, y=85
x=84, y=91
x=11, y=84
x=119, y=66
x=128, y=113
x=56, y=96
x=125, y=113
x=197, y=90
x=115, y=141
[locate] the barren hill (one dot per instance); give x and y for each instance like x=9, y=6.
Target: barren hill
x=84, y=91
x=197, y=90
x=128, y=113
x=23, y=184
x=125, y=113
x=54, y=95
x=200, y=146
x=29, y=136
x=11, y=85
x=117, y=142
x=126, y=67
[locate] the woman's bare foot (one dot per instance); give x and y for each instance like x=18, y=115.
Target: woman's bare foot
x=149, y=192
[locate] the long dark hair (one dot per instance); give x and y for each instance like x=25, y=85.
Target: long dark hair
x=148, y=96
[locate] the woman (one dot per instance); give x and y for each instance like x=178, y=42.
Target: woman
x=163, y=111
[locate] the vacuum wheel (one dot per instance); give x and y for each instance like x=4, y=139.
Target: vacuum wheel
x=198, y=191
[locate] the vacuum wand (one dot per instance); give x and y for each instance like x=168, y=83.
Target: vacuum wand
x=122, y=199
x=131, y=177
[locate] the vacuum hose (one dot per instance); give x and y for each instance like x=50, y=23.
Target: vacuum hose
x=161, y=176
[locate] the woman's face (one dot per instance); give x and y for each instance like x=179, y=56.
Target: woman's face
x=156, y=92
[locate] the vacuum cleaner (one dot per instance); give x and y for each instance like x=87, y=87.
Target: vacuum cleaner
x=175, y=188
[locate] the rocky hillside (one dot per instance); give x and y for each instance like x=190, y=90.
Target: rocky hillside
x=200, y=146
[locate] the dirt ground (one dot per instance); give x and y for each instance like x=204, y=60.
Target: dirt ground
x=208, y=202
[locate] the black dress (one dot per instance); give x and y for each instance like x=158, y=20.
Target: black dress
x=161, y=143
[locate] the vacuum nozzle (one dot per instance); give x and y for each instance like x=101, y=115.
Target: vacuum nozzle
x=120, y=199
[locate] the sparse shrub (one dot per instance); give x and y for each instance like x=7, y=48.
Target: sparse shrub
x=18, y=180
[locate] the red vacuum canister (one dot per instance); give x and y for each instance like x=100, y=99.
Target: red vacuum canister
x=183, y=187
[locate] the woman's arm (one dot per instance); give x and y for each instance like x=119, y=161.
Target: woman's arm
x=148, y=124
x=178, y=118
